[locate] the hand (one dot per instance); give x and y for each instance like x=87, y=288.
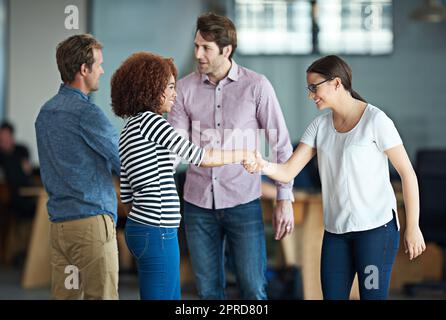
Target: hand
x=249, y=156
x=254, y=163
x=414, y=242
x=283, y=219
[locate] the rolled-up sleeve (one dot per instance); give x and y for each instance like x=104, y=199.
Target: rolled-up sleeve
x=155, y=128
x=271, y=119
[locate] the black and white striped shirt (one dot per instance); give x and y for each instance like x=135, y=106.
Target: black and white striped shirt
x=147, y=149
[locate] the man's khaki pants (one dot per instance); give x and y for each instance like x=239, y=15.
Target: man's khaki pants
x=84, y=259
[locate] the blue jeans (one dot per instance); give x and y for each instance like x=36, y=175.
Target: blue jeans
x=369, y=253
x=243, y=228
x=157, y=255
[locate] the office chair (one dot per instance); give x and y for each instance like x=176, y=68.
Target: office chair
x=431, y=172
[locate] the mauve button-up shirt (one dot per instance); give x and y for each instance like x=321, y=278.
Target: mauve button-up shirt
x=230, y=115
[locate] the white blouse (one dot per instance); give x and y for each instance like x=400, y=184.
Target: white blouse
x=356, y=190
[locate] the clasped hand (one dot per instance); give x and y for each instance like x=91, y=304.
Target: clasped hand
x=254, y=162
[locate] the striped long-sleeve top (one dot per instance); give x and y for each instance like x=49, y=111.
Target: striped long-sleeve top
x=147, y=148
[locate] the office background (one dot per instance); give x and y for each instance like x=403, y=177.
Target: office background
x=407, y=84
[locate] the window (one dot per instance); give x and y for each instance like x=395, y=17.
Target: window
x=355, y=26
x=273, y=26
x=314, y=26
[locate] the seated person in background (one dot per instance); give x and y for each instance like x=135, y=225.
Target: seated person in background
x=17, y=170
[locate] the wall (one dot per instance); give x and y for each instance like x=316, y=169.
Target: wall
x=36, y=27
x=163, y=27
x=408, y=84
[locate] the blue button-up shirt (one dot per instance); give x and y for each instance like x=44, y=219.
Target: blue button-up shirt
x=78, y=149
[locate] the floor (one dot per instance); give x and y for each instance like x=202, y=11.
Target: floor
x=10, y=289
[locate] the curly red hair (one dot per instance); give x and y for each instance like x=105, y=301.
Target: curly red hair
x=139, y=83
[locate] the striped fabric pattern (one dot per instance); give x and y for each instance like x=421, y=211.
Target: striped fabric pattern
x=147, y=148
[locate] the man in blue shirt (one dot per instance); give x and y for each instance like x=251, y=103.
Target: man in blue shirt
x=78, y=150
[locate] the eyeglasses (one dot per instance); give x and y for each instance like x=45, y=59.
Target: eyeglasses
x=313, y=87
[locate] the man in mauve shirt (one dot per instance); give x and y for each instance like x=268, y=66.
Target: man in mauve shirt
x=224, y=105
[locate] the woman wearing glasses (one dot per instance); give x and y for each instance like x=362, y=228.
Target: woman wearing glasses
x=353, y=143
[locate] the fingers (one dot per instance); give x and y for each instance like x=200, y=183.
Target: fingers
x=414, y=249
x=280, y=230
x=251, y=167
x=283, y=220
x=415, y=252
x=420, y=248
x=410, y=249
x=289, y=227
x=274, y=225
x=283, y=228
x=418, y=251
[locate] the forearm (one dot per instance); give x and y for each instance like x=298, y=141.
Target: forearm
x=127, y=207
x=411, y=200
x=278, y=171
x=216, y=157
x=285, y=172
x=284, y=152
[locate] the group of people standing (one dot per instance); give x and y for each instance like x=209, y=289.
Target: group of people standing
x=79, y=150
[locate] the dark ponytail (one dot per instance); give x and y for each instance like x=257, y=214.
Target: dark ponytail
x=333, y=66
x=357, y=96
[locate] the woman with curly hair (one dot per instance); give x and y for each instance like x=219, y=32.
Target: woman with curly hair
x=142, y=89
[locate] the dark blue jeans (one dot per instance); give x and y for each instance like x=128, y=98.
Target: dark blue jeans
x=370, y=254
x=157, y=255
x=243, y=228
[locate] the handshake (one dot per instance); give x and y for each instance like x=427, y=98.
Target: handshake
x=253, y=162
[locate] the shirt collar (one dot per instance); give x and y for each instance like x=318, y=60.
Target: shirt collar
x=65, y=88
x=232, y=74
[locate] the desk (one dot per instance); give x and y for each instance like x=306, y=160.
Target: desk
x=37, y=271
x=303, y=248
x=4, y=219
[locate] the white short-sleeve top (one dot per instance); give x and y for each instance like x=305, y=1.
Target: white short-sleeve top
x=356, y=190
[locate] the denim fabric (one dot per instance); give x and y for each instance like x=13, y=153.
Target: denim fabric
x=157, y=255
x=78, y=149
x=242, y=226
x=368, y=253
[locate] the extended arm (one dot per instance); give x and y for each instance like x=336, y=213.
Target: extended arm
x=285, y=172
x=413, y=238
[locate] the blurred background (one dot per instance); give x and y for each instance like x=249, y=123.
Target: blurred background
x=396, y=49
